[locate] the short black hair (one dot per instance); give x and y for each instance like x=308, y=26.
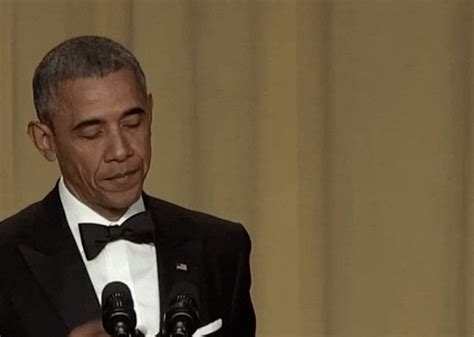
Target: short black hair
x=79, y=57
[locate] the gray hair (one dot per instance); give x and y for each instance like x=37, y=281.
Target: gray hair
x=79, y=57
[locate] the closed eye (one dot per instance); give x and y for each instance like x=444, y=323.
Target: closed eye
x=132, y=125
x=132, y=121
x=90, y=135
x=90, y=132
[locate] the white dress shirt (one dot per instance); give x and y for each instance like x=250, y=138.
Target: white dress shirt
x=131, y=263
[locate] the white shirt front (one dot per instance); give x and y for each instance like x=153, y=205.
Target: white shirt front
x=131, y=263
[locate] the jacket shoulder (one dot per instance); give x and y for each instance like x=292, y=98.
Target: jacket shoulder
x=18, y=225
x=32, y=220
x=207, y=226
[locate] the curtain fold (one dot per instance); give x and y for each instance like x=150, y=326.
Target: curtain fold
x=339, y=132
x=468, y=284
x=7, y=195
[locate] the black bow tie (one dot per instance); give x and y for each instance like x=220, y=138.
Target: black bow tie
x=138, y=228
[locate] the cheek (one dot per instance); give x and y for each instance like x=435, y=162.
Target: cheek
x=142, y=147
x=88, y=164
x=146, y=155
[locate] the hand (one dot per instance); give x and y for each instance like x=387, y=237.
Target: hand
x=90, y=329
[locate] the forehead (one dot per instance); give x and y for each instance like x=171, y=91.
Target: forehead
x=99, y=97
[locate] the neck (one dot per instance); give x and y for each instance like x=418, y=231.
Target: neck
x=111, y=214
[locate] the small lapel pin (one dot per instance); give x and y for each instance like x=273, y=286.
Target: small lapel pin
x=181, y=266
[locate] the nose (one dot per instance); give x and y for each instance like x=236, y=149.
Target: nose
x=118, y=147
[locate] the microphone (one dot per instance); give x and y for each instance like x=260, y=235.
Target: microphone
x=118, y=316
x=182, y=317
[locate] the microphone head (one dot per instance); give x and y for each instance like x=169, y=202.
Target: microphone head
x=183, y=287
x=182, y=317
x=118, y=315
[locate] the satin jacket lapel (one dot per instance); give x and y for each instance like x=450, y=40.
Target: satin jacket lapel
x=179, y=253
x=56, y=264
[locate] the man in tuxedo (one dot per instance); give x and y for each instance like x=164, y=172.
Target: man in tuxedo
x=97, y=225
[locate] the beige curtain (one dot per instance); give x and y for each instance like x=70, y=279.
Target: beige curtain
x=338, y=132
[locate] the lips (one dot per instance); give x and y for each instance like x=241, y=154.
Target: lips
x=122, y=175
x=123, y=182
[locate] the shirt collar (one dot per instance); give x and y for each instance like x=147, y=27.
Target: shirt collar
x=77, y=212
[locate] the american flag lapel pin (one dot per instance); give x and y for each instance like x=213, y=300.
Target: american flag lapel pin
x=181, y=266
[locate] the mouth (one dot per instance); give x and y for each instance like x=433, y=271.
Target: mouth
x=122, y=175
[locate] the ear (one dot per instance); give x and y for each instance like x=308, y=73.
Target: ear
x=149, y=102
x=43, y=138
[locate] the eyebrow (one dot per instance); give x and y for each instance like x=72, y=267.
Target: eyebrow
x=98, y=121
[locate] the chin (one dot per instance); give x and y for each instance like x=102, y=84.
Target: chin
x=122, y=200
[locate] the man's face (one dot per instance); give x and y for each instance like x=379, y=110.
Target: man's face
x=101, y=139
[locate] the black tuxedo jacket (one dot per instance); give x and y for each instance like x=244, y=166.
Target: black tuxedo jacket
x=45, y=289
